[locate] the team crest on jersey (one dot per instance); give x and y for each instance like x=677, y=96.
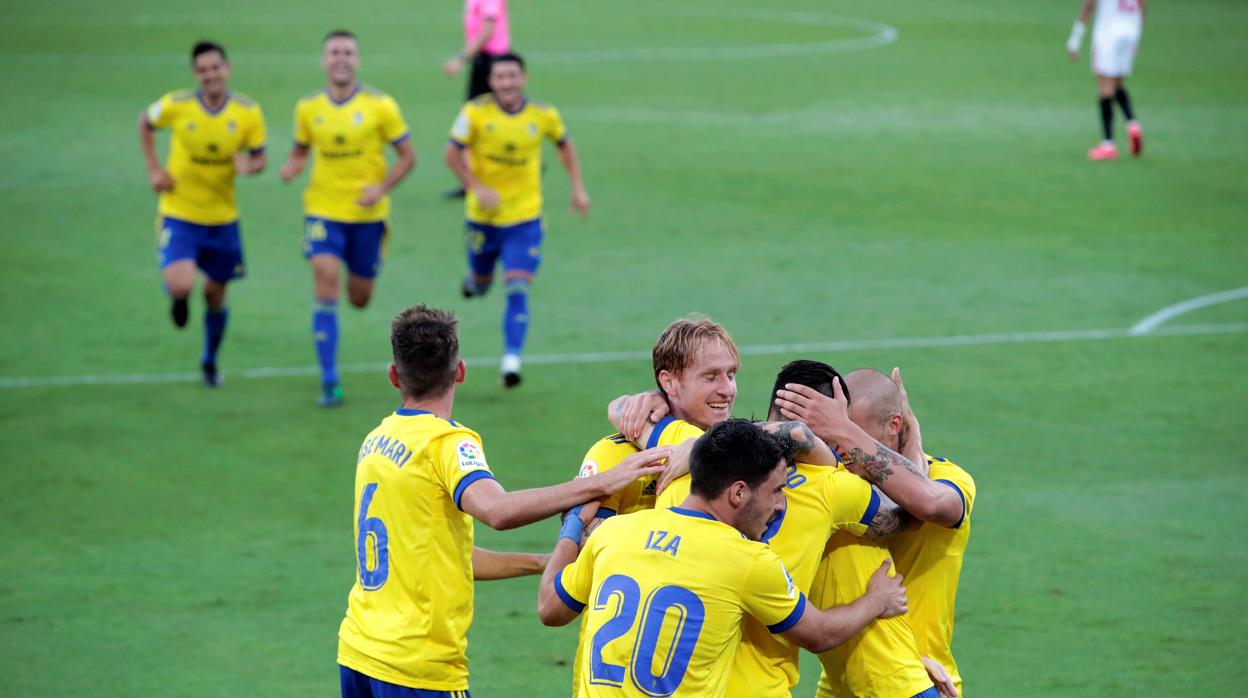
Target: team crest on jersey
x=470, y=456
x=190, y=126
x=532, y=129
x=358, y=118
x=489, y=127
x=231, y=126
x=588, y=468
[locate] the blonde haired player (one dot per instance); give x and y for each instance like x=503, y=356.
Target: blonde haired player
x=1115, y=39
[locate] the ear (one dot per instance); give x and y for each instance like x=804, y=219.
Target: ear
x=394, y=377
x=668, y=382
x=895, y=424
x=461, y=372
x=737, y=493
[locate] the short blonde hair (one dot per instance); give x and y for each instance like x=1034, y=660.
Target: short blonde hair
x=677, y=347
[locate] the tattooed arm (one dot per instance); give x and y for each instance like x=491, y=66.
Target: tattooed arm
x=926, y=500
x=800, y=443
x=890, y=519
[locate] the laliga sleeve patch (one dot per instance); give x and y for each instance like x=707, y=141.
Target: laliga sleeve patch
x=460, y=128
x=470, y=455
x=588, y=468
x=154, y=111
x=787, y=578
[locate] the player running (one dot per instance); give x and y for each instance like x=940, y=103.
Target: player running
x=347, y=126
x=502, y=133
x=420, y=480
x=215, y=135
x=1115, y=39
x=666, y=590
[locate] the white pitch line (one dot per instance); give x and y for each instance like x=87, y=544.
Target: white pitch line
x=965, y=340
x=1170, y=312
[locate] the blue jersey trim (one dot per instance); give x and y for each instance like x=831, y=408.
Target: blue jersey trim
x=791, y=619
x=336, y=103
x=774, y=524
x=605, y=513
x=564, y=596
x=960, y=496
x=298, y=143
x=523, y=103
x=468, y=480
x=563, y=140
x=456, y=143
x=410, y=412
x=406, y=135
x=256, y=151
x=872, y=508
x=199, y=95
x=692, y=512
x=657, y=432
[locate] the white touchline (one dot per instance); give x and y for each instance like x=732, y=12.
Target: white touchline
x=639, y=355
x=1170, y=312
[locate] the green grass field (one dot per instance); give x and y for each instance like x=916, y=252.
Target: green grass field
x=162, y=539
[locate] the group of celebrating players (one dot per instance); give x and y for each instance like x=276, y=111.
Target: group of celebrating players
x=494, y=149
x=701, y=551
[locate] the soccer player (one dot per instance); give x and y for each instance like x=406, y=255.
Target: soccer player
x=420, y=480
x=826, y=506
x=487, y=33
x=215, y=135
x=870, y=435
x=1115, y=39
x=666, y=590
x=346, y=126
x=502, y=133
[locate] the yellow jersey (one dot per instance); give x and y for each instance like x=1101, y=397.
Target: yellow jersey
x=348, y=141
x=819, y=501
x=665, y=592
x=409, y=611
x=930, y=557
x=202, y=145
x=505, y=154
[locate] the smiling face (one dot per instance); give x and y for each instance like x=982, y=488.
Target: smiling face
x=507, y=81
x=212, y=71
x=341, y=60
x=703, y=393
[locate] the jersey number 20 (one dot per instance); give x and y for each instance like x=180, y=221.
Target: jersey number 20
x=371, y=537
x=690, y=612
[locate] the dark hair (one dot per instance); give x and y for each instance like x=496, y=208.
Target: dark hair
x=733, y=450
x=202, y=47
x=508, y=57
x=340, y=34
x=812, y=374
x=426, y=350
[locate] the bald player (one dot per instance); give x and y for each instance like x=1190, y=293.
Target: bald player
x=871, y=434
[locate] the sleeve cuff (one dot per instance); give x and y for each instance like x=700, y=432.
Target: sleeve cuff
x=960, y=496
x=456, y=143
x=791, y=619
x=256, y=151
x=604, y=513
x=406, y=135
x=300, y=144
x=562, y=140
x=564, y=596
x=657, y=432
x=467, y=480
x=872, y=508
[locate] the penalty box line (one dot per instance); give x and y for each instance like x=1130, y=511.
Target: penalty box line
x=967, y=340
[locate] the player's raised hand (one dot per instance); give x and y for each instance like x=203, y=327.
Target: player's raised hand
x=911, y=442
x=940, y=677
x=370, y=197
x=160, y=179
x=634, y=467
x=889, y=591
x=677, y=465
x=827, y=416
x=487, y=197
x=580, y=202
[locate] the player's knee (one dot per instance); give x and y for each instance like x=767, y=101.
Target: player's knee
x=359, y=299
x=517, y=283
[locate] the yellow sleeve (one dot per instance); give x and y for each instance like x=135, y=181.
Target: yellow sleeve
x=393, y=127
x=256, y=134
x=852, y=502
x=162, y=112
x=675, y=494
x=459, y=462
x=954, y=476
x=574, y=583
x=770, y=595
x=555, y=129
x=303, y=130
x=671, y=432
x=462, y=131
x=601, y=457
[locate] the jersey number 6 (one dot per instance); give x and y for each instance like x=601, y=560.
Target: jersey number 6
x=371, y=537
x=690, y=613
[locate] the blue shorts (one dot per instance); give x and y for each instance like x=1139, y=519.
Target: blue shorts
x=357, y=685
x=929, y=693
x=360, y=245
x=520, y=246
x=216, y=249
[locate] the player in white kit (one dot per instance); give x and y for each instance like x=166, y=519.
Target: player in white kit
x=1115, y=38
